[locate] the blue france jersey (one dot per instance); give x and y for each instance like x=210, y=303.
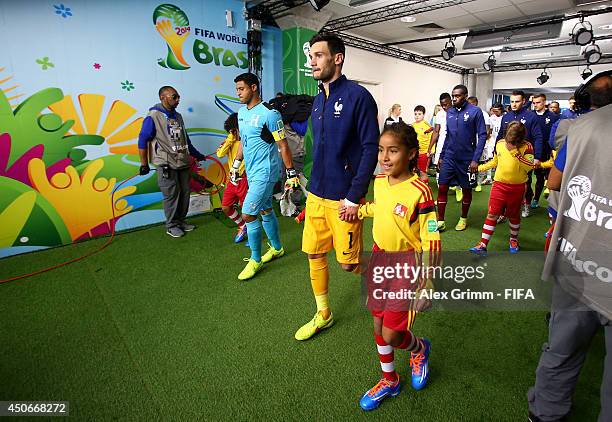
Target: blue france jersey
x=260, y=128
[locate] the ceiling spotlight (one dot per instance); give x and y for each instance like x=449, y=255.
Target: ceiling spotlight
x=408, y=19
x=586, y=73
x=543, y=78
x=490, y=63
x=318, y=4
x=449, y=50
x=581, y=34
x=592, y=53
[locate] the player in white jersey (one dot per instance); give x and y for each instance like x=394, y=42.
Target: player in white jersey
x=439, y=133
x=495, y=119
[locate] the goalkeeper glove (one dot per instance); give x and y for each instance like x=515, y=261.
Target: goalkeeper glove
x=292, y=179
x=234, y=171
x=144, y=169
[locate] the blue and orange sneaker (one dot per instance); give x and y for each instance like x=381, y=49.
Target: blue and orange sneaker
x=480, y=249
x=420, y=366
x=513, y=246
x=375, y=395
x=241, y=235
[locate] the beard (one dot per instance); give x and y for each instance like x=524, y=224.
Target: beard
x=325, y=74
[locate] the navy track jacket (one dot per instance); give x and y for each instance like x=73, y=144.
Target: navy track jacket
x=345, y=145
x=529, y=119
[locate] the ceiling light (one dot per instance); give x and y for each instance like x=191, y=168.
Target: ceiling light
x=318, y=4
x=449, y=50
x=604, y=27
x=586, y=73
x=543, y=78
x=490, y=63
x=581, y=34
x=592, y=53
x=408, y=19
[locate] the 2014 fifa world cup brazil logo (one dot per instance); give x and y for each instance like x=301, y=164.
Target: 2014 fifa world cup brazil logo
x=579, y=190
x=173, y=25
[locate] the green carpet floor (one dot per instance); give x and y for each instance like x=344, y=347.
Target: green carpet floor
x=160, y=328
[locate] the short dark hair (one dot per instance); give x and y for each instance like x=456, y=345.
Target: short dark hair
x=248, y=78
x=472, y=98
x=407, y=136
x=231, y=123
x=554, y=102
x=540, y=95
x=519, y=92
x=462, y=88
x=498, y=105
x=601, y=91
x=334, y=43
x=420, y=108
x=164, y=89
x=445, y=95
x=571, y=98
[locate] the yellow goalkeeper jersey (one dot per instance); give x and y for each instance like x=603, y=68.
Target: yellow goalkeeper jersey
x=230, y=148
x=404, y=218
x=512, y=166
x=424, y=132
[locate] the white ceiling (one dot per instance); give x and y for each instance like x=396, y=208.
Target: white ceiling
x=472, y=15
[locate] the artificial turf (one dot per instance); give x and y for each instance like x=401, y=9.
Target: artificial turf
x=160, y=328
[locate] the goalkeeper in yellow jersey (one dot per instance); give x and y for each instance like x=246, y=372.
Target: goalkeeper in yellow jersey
x=404, y=224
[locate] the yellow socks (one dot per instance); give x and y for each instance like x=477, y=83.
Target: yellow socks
x=319, y=280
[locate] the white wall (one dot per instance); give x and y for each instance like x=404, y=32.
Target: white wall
x=399, y=81
x=560, y=77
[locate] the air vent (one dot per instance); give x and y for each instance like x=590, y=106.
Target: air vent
x=540, y=54
x=426, y=26
x=529, y=34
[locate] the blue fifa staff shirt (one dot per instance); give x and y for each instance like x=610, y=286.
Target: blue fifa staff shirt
x=260, y=128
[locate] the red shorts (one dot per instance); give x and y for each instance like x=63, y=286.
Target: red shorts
x=422, y=163
x=508, y=197
x=235, y=193
x=395, y=320
x=398, y=321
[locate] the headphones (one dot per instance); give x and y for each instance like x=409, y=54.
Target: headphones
x=582, y=96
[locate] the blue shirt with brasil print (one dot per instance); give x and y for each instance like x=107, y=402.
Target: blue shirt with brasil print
x=260, y=128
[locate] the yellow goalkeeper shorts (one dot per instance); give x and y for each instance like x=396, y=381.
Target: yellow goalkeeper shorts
x=324, y=231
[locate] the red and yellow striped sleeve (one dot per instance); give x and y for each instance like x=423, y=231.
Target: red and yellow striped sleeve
x=428, y=226
x=524, y=157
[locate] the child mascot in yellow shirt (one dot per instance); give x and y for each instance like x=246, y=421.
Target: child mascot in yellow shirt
x=514, y=160
x=404, y=229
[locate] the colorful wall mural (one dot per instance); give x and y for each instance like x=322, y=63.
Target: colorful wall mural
x=74, y=89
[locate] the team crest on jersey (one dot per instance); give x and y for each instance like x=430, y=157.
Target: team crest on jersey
x=400, y=210
x=338, y=107
x=523, y=120
x=432, y=226
x=466, y=116
x=547, y=120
